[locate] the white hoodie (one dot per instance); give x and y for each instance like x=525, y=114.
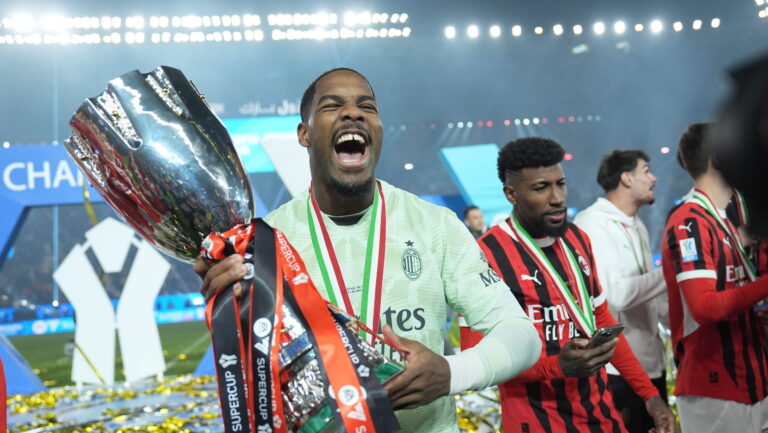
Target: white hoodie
x=636, y=292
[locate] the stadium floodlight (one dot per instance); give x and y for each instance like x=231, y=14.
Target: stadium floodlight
x=460, y=124
x=762, y=13
x=677, y=26
x=538, y=30
x=619, y=27
x=23, y=23
x=577, y=29
x=599, y=28
x=759, y=2
x=517, y=31
x=349, y=19
x=696, y=24
x=408, y=166
x=715, y=23
x=495, y=31
x=557, y=29
x=450, y=32
x=526, y=121
x=473, y=31
x=639, y=27
x=657, y=26
x=54, y=23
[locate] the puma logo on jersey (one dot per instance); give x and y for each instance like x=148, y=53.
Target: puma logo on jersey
x=686, y=227
x=532, y=278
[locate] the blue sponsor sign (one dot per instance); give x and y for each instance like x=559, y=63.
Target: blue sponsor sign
x=35, y=176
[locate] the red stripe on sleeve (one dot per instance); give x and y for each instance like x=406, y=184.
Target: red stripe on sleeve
x=707, y=305
x=546, y=368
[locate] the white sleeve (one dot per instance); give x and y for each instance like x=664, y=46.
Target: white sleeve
x=509, y=347
x=511, y=344
x=622, y=292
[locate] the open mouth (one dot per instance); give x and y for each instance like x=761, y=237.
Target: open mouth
x=351, y=149
x=556, y=217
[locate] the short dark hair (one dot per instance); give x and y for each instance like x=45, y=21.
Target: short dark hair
x=694, y=153
x=309, y=94
x=615, y=163
x=469, y=209
x=528, y=152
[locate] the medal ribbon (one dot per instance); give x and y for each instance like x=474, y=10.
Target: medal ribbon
x=342, y=376
x=581, y=312
x=703, y=200
x=248, y=373
x=741, y=207
x=222, y=316
x=374, y=260
x=640, y=262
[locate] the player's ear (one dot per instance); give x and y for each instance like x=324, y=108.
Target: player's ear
x=510, y=193
x=626, y=179
x=302, y=132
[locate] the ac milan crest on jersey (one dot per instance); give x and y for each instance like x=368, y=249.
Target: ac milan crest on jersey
x=584, y=266
x=411, y=262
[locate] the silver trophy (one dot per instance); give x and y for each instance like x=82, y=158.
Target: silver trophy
x=162, y=159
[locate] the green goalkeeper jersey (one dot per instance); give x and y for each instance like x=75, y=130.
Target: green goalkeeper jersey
x=431, y=262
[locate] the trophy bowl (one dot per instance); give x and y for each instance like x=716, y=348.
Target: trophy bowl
x=162, y=159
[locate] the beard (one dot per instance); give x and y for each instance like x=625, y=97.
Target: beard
x=554, y=231
x=351, y=189
x=538, y=227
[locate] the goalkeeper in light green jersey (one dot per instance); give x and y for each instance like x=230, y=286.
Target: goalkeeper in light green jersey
x=370, y=247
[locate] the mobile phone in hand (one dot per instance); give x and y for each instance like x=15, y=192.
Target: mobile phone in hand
x=604, y=335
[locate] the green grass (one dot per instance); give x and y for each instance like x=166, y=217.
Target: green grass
x=184, y=344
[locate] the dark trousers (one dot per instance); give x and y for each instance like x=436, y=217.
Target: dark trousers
x=631, y=406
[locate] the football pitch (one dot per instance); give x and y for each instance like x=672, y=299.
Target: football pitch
x=184, y=344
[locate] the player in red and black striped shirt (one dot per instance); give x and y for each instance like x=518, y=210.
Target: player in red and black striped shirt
x=719, y=344
x=548, y=264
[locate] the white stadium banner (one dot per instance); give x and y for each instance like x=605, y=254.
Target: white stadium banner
x=111, y=241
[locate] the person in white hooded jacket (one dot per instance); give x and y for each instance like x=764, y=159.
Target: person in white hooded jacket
x=636, y=292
